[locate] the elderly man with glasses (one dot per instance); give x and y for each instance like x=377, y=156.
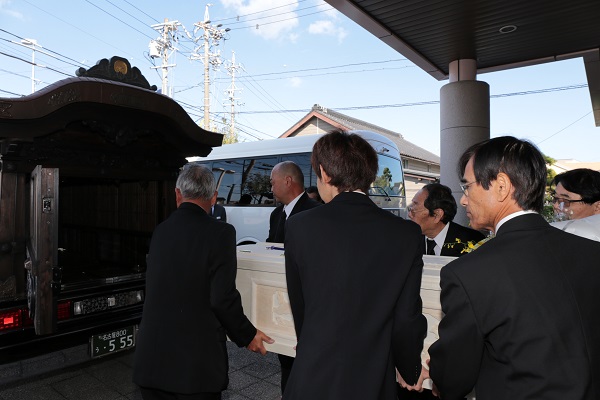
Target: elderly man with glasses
x=433, y=208
x=576, y=202
x=520, y=313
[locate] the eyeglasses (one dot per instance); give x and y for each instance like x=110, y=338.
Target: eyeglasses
x=566, y=202
x=465, y=187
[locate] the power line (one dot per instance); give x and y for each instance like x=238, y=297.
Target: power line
x=36, y=64
x=258, y=12
x=329, y=67
x=79, y=29
x=335, y=73
x=16, y=94
x=142, y=11
x=424, y=103
x=14, y=73
x=571, y=124
x=47, y=49
x=282, y=20
x=118, y=19
x=275, y=15
x=116, y=6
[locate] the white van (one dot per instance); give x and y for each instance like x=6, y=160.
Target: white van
x=243, y=172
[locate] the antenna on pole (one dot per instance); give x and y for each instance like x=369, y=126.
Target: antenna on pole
x=163, y=48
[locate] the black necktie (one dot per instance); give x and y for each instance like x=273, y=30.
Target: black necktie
x=430, y=247
x=280, y=233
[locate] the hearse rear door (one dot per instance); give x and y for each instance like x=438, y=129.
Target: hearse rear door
x=42, y=249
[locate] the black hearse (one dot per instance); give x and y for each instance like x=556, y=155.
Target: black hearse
x=87, y=170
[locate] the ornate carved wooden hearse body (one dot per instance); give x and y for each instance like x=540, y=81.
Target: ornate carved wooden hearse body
x=87, y=170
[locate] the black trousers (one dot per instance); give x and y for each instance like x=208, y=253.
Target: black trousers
x=156, y=394
x=286, y=368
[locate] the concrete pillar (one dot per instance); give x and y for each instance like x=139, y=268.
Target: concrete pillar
x=464, y=121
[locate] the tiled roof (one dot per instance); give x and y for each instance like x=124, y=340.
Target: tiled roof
x=407, y=148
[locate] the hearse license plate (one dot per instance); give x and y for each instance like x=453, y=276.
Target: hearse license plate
x=114, y=341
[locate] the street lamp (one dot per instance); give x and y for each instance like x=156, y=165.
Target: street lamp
x=31, y=43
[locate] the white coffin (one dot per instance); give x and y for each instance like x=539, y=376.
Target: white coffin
x=261, y=283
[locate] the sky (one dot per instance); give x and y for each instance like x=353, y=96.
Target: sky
x=289, y=55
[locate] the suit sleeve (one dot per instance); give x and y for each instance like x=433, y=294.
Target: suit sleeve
x=456, y=355
x=273, y=220
x=292, y=277
x=225, y=299
x=410, y=326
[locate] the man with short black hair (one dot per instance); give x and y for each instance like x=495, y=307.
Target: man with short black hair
x=521, y=312
x=433, y=208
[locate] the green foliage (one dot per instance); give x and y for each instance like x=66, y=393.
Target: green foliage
x=230, y=136
x=384, y=180
x=548, y=210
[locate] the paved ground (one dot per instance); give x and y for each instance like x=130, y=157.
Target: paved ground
x=251, y=377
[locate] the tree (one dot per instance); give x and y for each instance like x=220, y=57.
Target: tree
x=548, y=210
x=384, y=180
x=230, y=136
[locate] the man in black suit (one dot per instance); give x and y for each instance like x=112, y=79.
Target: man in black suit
x=521, y=312
x=353, y=274
x=434, y=208
x=287, y=185
x=191, y=300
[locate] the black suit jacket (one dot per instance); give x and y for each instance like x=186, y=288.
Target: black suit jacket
x=353, y=275
x=464, y=234
x=191, y=304
x=218, y=212
x=521, y=317
x=277, y=225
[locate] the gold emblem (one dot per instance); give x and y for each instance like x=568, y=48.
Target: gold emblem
x=120, y=67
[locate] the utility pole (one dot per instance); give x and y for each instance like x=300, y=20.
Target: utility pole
x=232, y=70
x=211, y=36
x=163, y=48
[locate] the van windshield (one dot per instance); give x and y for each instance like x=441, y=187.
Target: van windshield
x=389, y=179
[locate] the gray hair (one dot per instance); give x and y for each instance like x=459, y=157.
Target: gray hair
x=196, y=181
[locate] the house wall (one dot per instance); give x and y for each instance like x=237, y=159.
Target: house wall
x=314, y=126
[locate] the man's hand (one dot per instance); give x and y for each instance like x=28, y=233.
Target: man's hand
x=256, y=345
x=418, y=387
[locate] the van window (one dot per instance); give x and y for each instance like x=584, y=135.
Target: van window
x=389, y=176
x=245, y=181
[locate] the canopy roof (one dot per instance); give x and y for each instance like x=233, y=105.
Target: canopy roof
x=499, y=35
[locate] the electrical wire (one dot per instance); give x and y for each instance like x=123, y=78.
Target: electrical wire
x=142, y=11
x=571, y=124
x=275, y=15
x=36, y=64
x=118, y=19
x=79, y=29
x=258, y=12
x=424, y=103
x=16, y=94
x=257, y=26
